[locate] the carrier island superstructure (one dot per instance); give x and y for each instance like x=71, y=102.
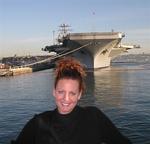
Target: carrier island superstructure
x=93, y=49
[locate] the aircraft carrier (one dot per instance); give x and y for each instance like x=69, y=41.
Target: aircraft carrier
x=93, y=49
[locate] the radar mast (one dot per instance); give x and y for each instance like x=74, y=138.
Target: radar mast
x=64, y=30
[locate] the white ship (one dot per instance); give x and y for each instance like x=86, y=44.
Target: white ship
x=93, y=49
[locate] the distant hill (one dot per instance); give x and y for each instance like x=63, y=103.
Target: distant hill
x=132, y=58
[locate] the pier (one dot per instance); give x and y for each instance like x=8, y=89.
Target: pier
x=12, y=66
x=15, y=71
x=18, y=71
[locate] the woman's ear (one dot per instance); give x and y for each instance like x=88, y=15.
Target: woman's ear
x=54, y=92
x=79, y=96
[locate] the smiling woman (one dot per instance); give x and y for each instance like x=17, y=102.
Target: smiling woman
x=69, y=84
x=70, y=123
x=67, y=95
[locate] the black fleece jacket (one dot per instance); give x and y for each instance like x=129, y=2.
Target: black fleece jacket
x=82, y=126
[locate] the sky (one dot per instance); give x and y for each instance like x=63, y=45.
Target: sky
x=26, y=26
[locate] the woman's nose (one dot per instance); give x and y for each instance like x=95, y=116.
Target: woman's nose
x=66, y=97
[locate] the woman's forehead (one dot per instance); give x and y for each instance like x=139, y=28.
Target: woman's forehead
x=70, y=83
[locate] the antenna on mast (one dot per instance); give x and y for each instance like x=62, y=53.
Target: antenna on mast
x=64, y=29
x=53, y=37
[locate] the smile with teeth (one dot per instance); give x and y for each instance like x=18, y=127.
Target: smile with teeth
x=65, y=104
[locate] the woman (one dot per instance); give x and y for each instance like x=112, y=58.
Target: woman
x=70, y=123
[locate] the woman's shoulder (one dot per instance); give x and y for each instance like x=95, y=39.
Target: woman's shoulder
x=92, y=110
x=41, y=118
x=93, y=114
x=44, y=115
x=97, y=112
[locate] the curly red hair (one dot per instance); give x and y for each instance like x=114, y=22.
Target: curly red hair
x=70, y=68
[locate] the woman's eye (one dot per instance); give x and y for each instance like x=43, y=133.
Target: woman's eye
x=72, y=94
x=60, y=92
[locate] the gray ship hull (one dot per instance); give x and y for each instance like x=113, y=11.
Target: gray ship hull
x=96, y=54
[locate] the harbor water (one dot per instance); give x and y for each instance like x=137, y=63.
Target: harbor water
x=121, y=91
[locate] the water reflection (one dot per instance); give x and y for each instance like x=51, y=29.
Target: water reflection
x=89, y=97
x=103, y=87
x=109, y=87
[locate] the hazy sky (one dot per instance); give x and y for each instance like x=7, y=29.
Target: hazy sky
x=26, y=26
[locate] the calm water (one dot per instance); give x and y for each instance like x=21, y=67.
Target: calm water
x=121, y=91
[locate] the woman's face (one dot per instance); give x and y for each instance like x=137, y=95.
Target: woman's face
x=66, y=95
